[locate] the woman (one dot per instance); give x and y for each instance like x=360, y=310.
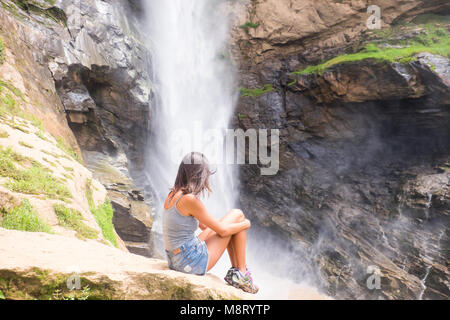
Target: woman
x=184, y=213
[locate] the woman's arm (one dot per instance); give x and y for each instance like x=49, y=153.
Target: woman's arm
x=191, y=205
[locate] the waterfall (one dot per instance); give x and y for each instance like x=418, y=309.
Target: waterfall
x=195, y=90
x=195, y=95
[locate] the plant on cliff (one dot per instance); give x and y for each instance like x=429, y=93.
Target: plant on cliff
x=3, y=134
x=247, y=25
x=29, y=176
x=64, y=146
x=24, y=218
x=433, y=40
x=255, y=93
x=73, y=219
x=27, y=145
x=12, y=88
x=2, y=52
x=103, y=214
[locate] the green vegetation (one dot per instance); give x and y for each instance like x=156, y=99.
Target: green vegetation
x=50, y=162
x=30, y=177
x=69, y=169
x=41, y=135
x=431, y=18
x=249, y=25
x=83, y=295
x=64, y=146
x=432, y=39
x=39, y=284
x=255, y=93
x=67, y=176
x=103, y=214
x=24, y=218
x=55, y=155
x=2, y=52
x=73, y=219
x=23, y=143
x=10, y=97
x=12, y=88
x=3, y=134
x=31, y=6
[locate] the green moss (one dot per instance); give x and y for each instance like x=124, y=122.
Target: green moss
x=37, y=180
x=24, y=218
x=12, y=88
x=103, y=214
x=41, y=135
x=73, y=219
x=434, y=40
x=68, y=169
x=8, y=158
x=50, y=162
x=23, y=143
x=64, y=146
x=67, y=176
x=53, y=154
x=247, y=25
x=38, y=284
x=431, y=18
x=29, y=176
x=10, y=97
x=255, y=93
x=2, y=52
x=3, y=134
x=52, y=13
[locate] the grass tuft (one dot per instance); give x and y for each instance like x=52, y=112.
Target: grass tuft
x=30, y=177
x=255, y=93
x=3, y=134
x=24, y=218
x=103, y=215
x=23, y=143
x=64, y=146
x=73, y=219
x=247, y=25
x=2, y=52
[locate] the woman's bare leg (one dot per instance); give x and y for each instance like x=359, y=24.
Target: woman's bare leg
x=236, y=244
x=239, y=243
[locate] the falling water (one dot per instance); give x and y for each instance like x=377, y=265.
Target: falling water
x=195, y=93
x=194, y=86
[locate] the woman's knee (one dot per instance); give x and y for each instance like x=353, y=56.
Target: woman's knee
x=238, y=214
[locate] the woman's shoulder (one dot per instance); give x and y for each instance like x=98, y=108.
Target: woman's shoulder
x=189, y=199
x=180, y=198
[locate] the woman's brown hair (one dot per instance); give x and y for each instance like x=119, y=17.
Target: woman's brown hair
x=193, y=175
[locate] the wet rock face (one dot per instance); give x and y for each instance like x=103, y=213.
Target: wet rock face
x=98, y=65
x=361, y=182
x=106, y=67
x=364, y=157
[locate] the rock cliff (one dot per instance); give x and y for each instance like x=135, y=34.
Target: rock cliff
x=363, y=118
x=88, y=65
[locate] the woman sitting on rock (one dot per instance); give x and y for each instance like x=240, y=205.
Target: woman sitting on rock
x=185, y=212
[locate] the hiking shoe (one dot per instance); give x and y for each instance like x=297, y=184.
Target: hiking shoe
x=228, y=278
x=244, y=281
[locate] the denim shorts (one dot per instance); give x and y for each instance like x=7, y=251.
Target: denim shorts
x=193, y=257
